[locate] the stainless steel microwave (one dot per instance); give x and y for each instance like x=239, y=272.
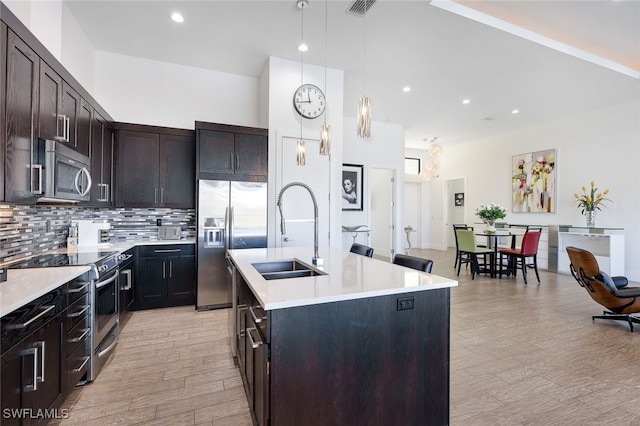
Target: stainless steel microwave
x=63, y=173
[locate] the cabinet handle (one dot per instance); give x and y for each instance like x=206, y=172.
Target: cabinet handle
x=81, y=337
x=164, y=274
x=155, y=196
x=86, y=359
x=127, y=273
x=171, y=269
x=167, y=250
x=61, y=119
x=80, y=312
x=46, y=309
x=34, y=352
x=231, y=161
x=67, y=128
x=161, y=195
x=237, y=162
x=79, y=289
x=254, y=344
x=38, y=168
x=253, y=315
x=40, y=379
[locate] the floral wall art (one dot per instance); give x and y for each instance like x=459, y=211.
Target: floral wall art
x=533, y=182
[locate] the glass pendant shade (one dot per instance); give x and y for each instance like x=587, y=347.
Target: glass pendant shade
x=364, y=117
x=325, y=139
x=301, y=153
x=425, y=175
x=435, y=150
x=432, y=164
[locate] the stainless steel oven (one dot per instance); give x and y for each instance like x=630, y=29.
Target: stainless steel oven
x=106, y=299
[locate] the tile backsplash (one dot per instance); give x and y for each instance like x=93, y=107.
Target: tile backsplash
x=27, y=229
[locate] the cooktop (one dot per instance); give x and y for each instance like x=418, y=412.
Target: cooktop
x=49, y=260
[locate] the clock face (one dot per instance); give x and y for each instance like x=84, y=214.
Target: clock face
x=309, y=101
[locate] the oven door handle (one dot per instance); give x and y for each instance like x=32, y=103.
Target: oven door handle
x=101, y=284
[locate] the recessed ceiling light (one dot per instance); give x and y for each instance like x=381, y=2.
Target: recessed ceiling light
x=515, y=111
x=406, y=89
x=176, y=17
x=303, y=47
x=466, y=101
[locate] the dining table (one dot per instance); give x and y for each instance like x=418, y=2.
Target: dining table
x=494, y=241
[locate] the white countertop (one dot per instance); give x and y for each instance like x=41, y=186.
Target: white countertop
x=349, y=276
x=25, y=285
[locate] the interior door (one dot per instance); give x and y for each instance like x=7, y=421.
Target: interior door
x=382, y=212
x=297, y=206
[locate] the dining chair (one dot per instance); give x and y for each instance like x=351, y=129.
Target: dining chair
x=361, y=249
x=455, y=227
x=413, y=262
x=469, y=251
x=517, y=258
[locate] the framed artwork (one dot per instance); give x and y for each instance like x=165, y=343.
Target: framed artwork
x=533, y=182
x=458, y=199
x=412, y=166
x=352, y=185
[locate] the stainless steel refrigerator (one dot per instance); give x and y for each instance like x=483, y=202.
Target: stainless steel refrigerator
x=230, y=215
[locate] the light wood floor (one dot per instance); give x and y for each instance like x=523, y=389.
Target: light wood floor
x=520, y=355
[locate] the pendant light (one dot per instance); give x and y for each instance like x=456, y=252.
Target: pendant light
x=301, y=152
x=431, y=167
x=364, y=103
x=325, y=130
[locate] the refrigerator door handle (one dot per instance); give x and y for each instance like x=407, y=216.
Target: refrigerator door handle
x=226, y=228
x=231, y=213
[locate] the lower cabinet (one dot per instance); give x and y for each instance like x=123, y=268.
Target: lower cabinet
x=165, y=276
x=33, y=367
x=339, y=363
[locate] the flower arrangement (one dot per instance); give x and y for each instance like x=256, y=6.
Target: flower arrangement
x=591, y=201
x=491, y=213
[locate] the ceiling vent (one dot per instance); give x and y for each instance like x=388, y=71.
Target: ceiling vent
x=360, y=7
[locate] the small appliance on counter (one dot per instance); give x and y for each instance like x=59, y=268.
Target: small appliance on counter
x=169, y=232
x=93, y=232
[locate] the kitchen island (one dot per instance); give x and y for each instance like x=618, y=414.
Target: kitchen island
x=357, y=341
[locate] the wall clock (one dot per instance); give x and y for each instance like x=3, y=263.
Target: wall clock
x=309, y=101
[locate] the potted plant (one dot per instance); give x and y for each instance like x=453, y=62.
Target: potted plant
x=489, y=214
x=591, y=201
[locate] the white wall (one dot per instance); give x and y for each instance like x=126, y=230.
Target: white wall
x=77, y=53
x=601, y=145
x=385, y=150
x=143, y=91
x=283, y=80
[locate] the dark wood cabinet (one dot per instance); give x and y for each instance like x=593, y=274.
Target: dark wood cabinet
x=101, y=154
x=83, y=127
x=51, y=122
x=231, y=152
x=338, y=363
x=3, y=98
x=33, y=351
x=127, y=287
x=155, y=167
x=21, y=172
x=165, y=276
x=71, y=107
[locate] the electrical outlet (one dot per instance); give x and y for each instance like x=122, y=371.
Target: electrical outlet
x=405, y=303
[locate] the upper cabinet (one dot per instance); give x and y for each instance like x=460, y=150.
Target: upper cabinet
x=21, y=109
x=155, y=167
x=231, y=152
x=43, y=100
x=102, y=147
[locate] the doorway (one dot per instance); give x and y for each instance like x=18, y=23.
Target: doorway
x=383, y=218
x=454, y=206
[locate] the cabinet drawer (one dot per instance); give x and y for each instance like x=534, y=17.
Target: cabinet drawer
x=80, y=334
x=78, y=288
x=25, y=320
x=167, y=250
x=77, y=366
x=79, y=311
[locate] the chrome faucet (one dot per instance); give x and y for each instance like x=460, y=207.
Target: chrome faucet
x=316, y=259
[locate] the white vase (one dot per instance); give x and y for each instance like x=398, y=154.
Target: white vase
x=491, y=227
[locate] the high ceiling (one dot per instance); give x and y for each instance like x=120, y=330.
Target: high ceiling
x=445, y=56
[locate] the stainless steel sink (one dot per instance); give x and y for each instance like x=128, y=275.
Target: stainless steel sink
x=282, y=269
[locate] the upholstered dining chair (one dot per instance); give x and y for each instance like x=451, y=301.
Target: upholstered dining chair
x=620, y=300
x=469, y=251
x=518, y=258
x=413, y=262
x=361, y=249
x=455, y=227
